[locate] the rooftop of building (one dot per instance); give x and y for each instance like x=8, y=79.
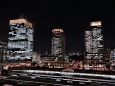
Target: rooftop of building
x=57, y=30
x=95, y=23
x=21, y=21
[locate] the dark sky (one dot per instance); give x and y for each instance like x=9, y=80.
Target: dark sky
x=73, y=17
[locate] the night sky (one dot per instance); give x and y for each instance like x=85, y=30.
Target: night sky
x=73, y=17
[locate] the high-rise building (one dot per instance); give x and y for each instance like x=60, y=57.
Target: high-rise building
x=3, y=51
x=58, y=45
x=97, y=41
x=20, y=40
x=94, y=49
x=112, y=58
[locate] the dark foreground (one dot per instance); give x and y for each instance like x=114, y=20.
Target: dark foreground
x=17, y=77
x=40, y=79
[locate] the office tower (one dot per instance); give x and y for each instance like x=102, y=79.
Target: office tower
x=58, y=45
x=94, y=45
x=20, y=40
x=97, y=41
x=3, y=51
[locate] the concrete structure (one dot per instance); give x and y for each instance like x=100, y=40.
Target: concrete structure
x=58, y=48
x=58, y=45
x=94, y=47
x=37, y=59
x=20, y=40
x=112, y=59
x=3, y=52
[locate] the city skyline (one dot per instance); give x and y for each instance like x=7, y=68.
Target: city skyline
x=70, y=16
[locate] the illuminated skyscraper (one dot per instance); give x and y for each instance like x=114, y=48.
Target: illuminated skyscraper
x=58, y=45
x=94, y=44
x=20, y=40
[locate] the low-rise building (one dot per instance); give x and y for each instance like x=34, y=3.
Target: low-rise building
x=3, y=51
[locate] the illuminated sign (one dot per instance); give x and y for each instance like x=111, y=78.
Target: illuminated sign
x=57, y=30
x=96, y=23
x=20, y=21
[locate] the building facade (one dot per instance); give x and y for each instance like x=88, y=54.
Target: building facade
x=112, y=59
x=20, y=40
x=58, y=45
x=3, y=52
x=94, y=47
x=37, y=58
